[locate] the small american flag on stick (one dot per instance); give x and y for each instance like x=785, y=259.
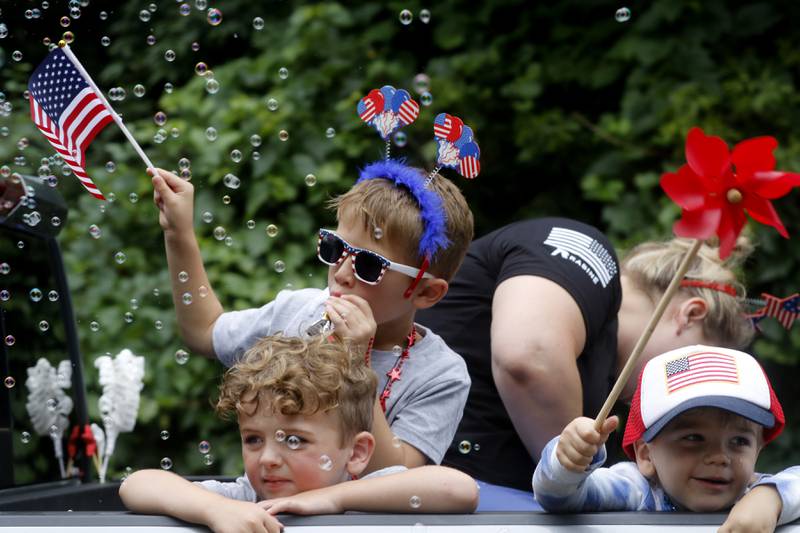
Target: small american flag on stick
x=702, y=367
x=68, y=112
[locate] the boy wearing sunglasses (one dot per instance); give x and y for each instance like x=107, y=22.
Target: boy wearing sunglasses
x=398, y=242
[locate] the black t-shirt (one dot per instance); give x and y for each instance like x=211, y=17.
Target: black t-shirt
x=574, y=255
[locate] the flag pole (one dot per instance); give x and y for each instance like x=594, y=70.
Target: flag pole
x=627, y=370
x=68, y=52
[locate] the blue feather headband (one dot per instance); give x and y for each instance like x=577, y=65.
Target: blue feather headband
x=434, y=232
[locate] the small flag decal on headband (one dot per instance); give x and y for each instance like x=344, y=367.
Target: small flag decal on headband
x=703, y=367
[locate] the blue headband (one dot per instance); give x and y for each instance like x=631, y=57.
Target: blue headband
x=434, y=229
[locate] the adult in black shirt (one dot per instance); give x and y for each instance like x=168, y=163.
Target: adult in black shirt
x=534, y=312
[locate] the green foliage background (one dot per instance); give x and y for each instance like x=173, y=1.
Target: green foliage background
x=576, y=115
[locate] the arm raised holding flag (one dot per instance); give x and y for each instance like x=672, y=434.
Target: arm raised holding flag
x=70, y=111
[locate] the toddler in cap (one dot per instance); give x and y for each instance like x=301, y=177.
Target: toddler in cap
x=699, y=418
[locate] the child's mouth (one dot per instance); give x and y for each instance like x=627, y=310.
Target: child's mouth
x=714, y=483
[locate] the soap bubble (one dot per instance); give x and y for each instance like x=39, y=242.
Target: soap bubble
x=283, y=73
x=184, y=163
x=94, y=325
x=214, y=16
x=135, y=303
x=202, y=290
x=160, y=118
x=424, y=16
x=211, y=133
x=255, y=140
x=325, y=463
x=623, y=14
x=406, y=17
x=133, y=197
x=200, y=68
x=184, y=9
x=164, y=434
x=415, y=502
x=272, y=230
x=330, y=133
x=158, y=325
x=220, y=233
x=476, y=447
x=105, y=40
x=44, y=325
x=400, y=139
x=208, y=459
x=68, y=36
x=120, y=257
x=293, y=442
x=25, y=437
x=16, y=55
x=64, y=21
x=52, y=296
x=186, y=298
x=10, y=340
x=280, y=435
x=128, y=317
x=396, y=442
x=310, y=180
x=5, y=295
x=422, y=83
x=377, y=233
x=207, y=217
x=169, y=55
x=166, y=463
x=95, y=231
x=150, y=40
x=283, y=135
x=5, y=268
x=212, y=86
x=251, y=224
x=111, y=167
x=9, y=382
x=168, y=88
x=397, y=350
x=231, y=181
x=258, y=23
x=181, y=356
x=280, y=266
x=195, y=46
x=204, y=447
x=144, y=15
x=426, y=98
x=35, y=294
x=464, y=447
x=236, y=155
x=272, y=104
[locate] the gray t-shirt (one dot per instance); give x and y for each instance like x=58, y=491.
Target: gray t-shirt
x=425, y=405
x=242, y=490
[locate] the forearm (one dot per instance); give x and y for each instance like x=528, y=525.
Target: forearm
x=426, y=489
x=389, y=450
x=165, y=493
x=540, y=401
x=196, y=319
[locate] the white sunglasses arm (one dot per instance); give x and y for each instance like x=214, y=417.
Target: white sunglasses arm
x=409, y=271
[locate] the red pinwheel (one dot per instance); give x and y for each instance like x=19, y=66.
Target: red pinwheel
x=717, y=186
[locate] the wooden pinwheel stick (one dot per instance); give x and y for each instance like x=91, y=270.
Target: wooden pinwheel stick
x=672, y=288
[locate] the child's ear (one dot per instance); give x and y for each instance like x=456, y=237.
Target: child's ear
x=429, y=292
x=644, y=459
x=363, y=447
x=691, y=313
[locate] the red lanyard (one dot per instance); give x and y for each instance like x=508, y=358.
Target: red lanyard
x=397, y=370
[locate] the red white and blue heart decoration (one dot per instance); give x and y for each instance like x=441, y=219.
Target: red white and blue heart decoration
x=457, y=147
x=387, y=110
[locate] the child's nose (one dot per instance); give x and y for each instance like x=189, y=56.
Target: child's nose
x=271, y=455
x=343, y=274
x=717, y=454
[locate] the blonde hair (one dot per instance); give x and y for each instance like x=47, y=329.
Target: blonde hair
x=294, y=376
x=379, y=203
x=651, y=266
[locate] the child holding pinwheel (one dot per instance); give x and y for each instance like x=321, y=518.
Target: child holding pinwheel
x=700, y=415
x=699, y=418
x=401, y=236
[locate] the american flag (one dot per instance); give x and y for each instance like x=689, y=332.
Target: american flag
x=68, y=112
x=785, y=310
x=703, y=367
x=443, y=130
x=409, y=111
x=469, y=167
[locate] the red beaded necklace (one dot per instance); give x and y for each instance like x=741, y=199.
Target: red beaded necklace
x=397, y=370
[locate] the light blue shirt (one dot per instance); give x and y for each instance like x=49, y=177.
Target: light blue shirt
x=623, y=488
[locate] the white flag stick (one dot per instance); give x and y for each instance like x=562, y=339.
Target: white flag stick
x=67, y=52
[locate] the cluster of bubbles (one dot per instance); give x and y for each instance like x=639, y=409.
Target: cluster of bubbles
x=466, y=447
x=117, y=94
x=407, y=17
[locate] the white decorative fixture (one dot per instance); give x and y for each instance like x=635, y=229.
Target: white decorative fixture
x=48, y=405
x=121, y=379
